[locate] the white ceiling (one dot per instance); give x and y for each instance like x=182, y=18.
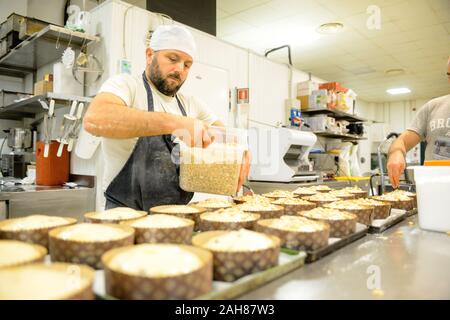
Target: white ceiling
x=414, y=35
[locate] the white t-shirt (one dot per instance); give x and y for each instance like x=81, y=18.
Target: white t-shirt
x=132, y=91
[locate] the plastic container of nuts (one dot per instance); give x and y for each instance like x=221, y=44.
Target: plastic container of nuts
x=214, y=169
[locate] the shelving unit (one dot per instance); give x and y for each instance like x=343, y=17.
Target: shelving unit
x=343, y=136
x=41, y=48
x=28, y=108
x=338, y=115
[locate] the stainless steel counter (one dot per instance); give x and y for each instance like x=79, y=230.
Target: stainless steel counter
x=23, y=200
x=404, y=262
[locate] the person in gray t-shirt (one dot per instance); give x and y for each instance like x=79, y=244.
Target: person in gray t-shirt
x=431, y=124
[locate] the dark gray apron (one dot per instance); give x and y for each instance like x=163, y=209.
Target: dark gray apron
x=149, y=177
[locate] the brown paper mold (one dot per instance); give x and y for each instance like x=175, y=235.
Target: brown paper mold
x=381, y=209
x=357, y=191
x=213, y=204
x=293, y=205
x=364, y=213
x=296, y=232
x=191, y=212
x=341, y=223
x=252, y=198
x=115, y=215
x=321, y=188
x=321, y=199
x=227, y=219
x=158, y=271
x=15, y=253
x=32, y=229
x=397, y=201
x=86, y=242
x=39, y=281
x=239, y=253
x=162, y=228
x=342, y=194
x=277, y=194
x=304, y=192
x=264, y=209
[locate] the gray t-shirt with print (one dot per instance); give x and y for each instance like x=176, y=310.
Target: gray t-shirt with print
x=432, y=124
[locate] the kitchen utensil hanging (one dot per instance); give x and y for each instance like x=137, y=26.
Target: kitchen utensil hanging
x=68, y=56
x=49, y=118
x=68, y=120
x=87, y=70
x=70, y=127
x=73, y=134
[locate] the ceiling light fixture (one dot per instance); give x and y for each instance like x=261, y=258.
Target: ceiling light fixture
x=330, y=28
x=398, y=91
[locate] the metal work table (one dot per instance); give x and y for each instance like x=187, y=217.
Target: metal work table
x=405, y=261
x=22, y=200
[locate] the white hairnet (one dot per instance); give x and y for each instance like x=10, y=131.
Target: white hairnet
x=173, y=37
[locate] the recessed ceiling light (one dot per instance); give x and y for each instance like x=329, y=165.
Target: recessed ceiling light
x=330, y=28
x=398, y=90
x=395, y=72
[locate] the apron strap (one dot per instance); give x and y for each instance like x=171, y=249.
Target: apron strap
x=150, y=97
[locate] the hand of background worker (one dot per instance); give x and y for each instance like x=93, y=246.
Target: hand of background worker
x=396, y=165
x=193, y=132
x=245, y=169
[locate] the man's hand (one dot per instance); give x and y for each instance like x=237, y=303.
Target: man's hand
x=396, y=162
x=193, y=132
x=245, y=169
x=395, y=166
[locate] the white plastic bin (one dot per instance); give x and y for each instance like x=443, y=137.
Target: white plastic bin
x=433, y=197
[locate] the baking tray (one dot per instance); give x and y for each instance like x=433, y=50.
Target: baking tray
x=396, y=216
x=287, y=262
x=411, y=212
x=336, y=243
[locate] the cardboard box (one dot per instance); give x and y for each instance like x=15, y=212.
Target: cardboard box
x=333, y=86
x=42, y=87
x=304, y=102
x=305, y=88
x=29, y=26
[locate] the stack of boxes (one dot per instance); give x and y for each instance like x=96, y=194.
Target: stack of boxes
x=15, y=29
x=329, y=95
x=44, y=86
x=304, y=92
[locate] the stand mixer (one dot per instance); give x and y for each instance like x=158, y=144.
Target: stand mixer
x=14, y=163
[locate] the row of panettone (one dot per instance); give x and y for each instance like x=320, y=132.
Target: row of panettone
x=151, y=256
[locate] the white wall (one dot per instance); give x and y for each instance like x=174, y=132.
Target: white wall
x=8, y=7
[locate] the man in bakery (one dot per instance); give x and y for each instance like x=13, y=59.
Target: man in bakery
x=140, y=120
x=431, y=124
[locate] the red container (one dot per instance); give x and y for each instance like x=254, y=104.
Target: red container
x=333, y=86
x=53, y=170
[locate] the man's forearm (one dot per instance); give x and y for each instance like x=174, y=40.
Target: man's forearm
x=405, y=142
x=398, y=146
x=118, y=122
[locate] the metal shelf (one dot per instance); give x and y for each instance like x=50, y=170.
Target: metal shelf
x=338, y=115
x=28, y=108
x=343, y=136
x=40, y=49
